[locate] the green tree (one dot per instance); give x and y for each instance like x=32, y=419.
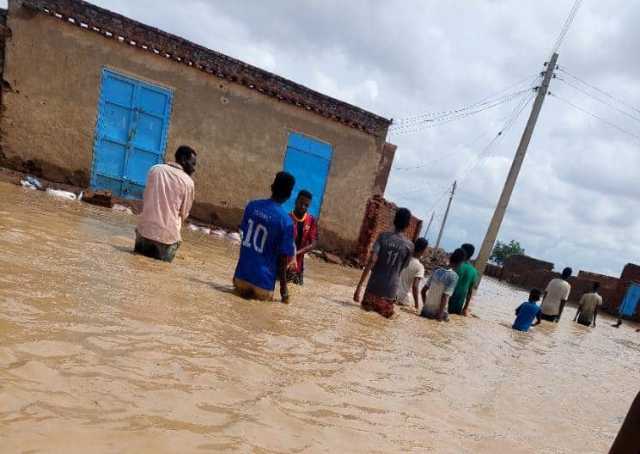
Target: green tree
x=502, y=251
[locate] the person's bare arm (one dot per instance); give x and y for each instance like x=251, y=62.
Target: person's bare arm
x=424, y=292
x=282, y=272
x=465, y=309
x=595, y=315
x=562, y=304
x=363, y=278
x=538, y=320
x=416, y=292
x=187, y=203
x=309, y=247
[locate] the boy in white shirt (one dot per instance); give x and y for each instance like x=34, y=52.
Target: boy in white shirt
x=440, y=287
x=412, y=276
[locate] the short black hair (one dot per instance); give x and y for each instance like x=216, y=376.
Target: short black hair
x=596, y=286
x=402, y=219
x=184, y=152
x=567, y=272
x=306, y=194
x=420, y=245
x=283, y=185
x=468, y=249
x=535, y=295
x=457, y=257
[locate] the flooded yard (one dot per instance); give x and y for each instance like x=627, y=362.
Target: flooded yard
x=105, y=351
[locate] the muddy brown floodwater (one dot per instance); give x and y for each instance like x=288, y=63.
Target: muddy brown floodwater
x=104, y=351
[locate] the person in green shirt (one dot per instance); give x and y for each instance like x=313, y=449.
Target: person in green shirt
x=467, y=281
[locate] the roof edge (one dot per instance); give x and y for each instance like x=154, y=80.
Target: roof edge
x=165, y=45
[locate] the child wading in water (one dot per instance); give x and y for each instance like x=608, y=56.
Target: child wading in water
x=391, y=254
x=527, y=312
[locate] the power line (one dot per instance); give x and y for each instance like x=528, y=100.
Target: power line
x=585, y=92
x=582, y=109
x=420, y=117
x=429, y=123
x=599, y=90
x=442, y=157
x=486, y=152
x=566, y=26
x=509, y=123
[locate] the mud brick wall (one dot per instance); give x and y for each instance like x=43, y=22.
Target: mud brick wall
x=494, y=271
x=378, y=218
x=517, y=266
x=604, y=280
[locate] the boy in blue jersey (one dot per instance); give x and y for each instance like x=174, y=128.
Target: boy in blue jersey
x=527, y=312
x=267, y=244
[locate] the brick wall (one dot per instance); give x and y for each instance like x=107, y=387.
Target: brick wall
x=521, y=265
x=604, y=280
x=378, y=218
x=528, y=273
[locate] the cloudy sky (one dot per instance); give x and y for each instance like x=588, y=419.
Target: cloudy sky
x=577, y=197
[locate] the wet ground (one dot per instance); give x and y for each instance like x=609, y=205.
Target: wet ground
x=104, y=351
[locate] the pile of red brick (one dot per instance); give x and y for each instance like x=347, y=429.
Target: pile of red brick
x=378, y=218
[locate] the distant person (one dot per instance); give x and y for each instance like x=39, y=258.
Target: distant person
x=527, y=312
x=628, y=439
x=556, y=296
x=167, y=201
x=390, y=255
x=467, y=281
x=305, y=234
x=439, y=288
x=588, y=307
x=267, y=244
x=411, y=277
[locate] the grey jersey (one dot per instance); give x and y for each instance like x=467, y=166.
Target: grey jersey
x=394, y=253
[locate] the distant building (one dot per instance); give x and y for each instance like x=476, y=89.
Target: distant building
x=620, y=295
x=93, y=98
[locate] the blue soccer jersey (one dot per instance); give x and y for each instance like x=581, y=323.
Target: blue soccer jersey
x=267, y=234
x=525, y=315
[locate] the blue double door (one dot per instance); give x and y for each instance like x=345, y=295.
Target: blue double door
x=629, y=305
x=309, y=161
x=131, y=133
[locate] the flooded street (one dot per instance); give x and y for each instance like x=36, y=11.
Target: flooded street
x=104, y=351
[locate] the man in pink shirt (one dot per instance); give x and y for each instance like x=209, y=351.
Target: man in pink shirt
x=168, y=198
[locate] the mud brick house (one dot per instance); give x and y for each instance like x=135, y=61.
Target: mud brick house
x=93, y=98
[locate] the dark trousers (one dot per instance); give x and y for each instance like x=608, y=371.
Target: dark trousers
x=155, y=250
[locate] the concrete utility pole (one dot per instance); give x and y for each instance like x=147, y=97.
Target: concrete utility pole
x=426, y=232
x=446, y=215
x=498, y=215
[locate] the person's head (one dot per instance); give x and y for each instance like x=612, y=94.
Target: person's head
x=534, y=295
x=566, y=273
x=282, y=186
x=596, y=286
x=186, y=157
x=402, y=220
x=469, y=250
x=420, y=247
x=302, y=202
x=457, y=257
